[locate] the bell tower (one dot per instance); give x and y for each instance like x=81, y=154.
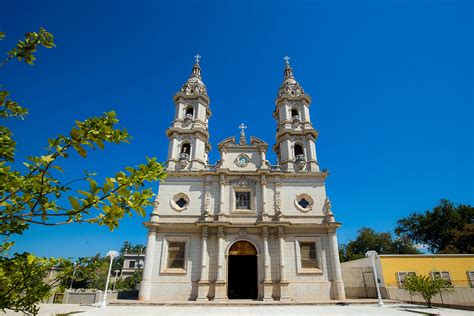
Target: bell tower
x=295, y=136
x=189, y=133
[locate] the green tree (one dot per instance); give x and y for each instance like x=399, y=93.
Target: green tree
x=425, y=286
x=447, y=228
x=34, y=192
x=367, y=239
x=24, y=281
x=91, y=272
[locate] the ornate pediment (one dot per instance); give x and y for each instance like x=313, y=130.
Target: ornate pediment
x=243, y=181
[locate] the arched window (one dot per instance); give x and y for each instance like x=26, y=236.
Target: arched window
x=295, y=114
x=186, y=148
x=189, y=113
x=242, y=248
x=298, y=150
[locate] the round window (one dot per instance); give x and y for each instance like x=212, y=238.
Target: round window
x=180, y=202
x=304, y=202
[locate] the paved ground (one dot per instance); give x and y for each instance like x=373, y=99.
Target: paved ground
x=299, y=310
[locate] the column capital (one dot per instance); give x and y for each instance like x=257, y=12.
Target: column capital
x=281, y=232
x=204, y=233
x=265, y=232
x=220, y=231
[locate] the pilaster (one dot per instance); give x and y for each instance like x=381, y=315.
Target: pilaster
x=283, y=281
x=145, y=284
x=203, y=285
x=337, y=285
x=220, y=286
x=267, y=281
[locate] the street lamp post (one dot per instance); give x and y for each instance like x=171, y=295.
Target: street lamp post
x=373, y=254
x=115, y=280
x=112, y=254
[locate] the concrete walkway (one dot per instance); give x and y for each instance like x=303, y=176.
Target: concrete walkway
x=260, y=310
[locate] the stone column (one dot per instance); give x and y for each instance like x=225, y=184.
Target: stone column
x=172, y=153
x=221, y=197
x=203, y=285
x=145, y=285
x=277, y=197
x=220, y=283
x=311, y=154
x=337, y=285
x=283, y=281
x=264, y=195
x=263, y=157
x=207, y=198
x=267, y=278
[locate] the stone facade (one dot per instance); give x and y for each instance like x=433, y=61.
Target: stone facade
x=132, y=262
x=279, y=213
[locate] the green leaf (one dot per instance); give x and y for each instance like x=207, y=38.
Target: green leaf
x=74, y=202
x=30, y=258
x=47, y=159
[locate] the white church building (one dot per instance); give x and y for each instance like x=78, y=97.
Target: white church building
x=242, y=228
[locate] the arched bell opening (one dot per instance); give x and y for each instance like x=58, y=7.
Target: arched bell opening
x=242, y=271
x=295, y=114
x=189, y=113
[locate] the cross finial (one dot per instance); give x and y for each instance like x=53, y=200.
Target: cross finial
x=287, y=60
x=242, y=128
x=197, y=58
x=243, y=139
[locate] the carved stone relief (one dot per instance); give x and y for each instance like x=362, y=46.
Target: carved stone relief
x=243, y=181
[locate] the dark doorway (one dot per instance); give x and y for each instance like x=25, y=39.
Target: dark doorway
x=242, y=272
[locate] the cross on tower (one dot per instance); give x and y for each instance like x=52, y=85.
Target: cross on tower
x=242, y=128
x=197, y=58
x=287, y=60
x=243, y=139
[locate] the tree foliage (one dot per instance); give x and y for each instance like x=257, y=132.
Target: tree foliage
x=447, y=228
x=425, y=286
x=30, y=195
x=37, y=192
x=367, y=239
x=24, y=281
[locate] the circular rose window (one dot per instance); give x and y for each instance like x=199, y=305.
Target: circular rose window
x=304, y=202
x=180, y=202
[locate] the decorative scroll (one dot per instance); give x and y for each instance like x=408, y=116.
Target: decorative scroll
x=277, y=203
x=243, y=181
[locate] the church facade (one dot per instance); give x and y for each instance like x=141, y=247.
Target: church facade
x=242, y=228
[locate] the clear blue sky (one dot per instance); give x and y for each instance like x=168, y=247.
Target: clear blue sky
x=391, y=81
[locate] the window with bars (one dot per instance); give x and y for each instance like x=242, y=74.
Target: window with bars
x=401, y=277
x=470, y=275
x=441, y=275
x=176, y=254
x=242, y=201
x=308, y=255
x=131, y=264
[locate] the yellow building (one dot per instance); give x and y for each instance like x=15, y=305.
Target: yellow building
x=391, y=270
x=457, y=269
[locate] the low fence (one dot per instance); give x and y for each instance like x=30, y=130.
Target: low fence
x=359, y=282
x=84, y=297
x=461, y=297
x=89, y=297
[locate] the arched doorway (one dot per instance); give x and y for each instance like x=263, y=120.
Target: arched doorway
x=242, y=271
